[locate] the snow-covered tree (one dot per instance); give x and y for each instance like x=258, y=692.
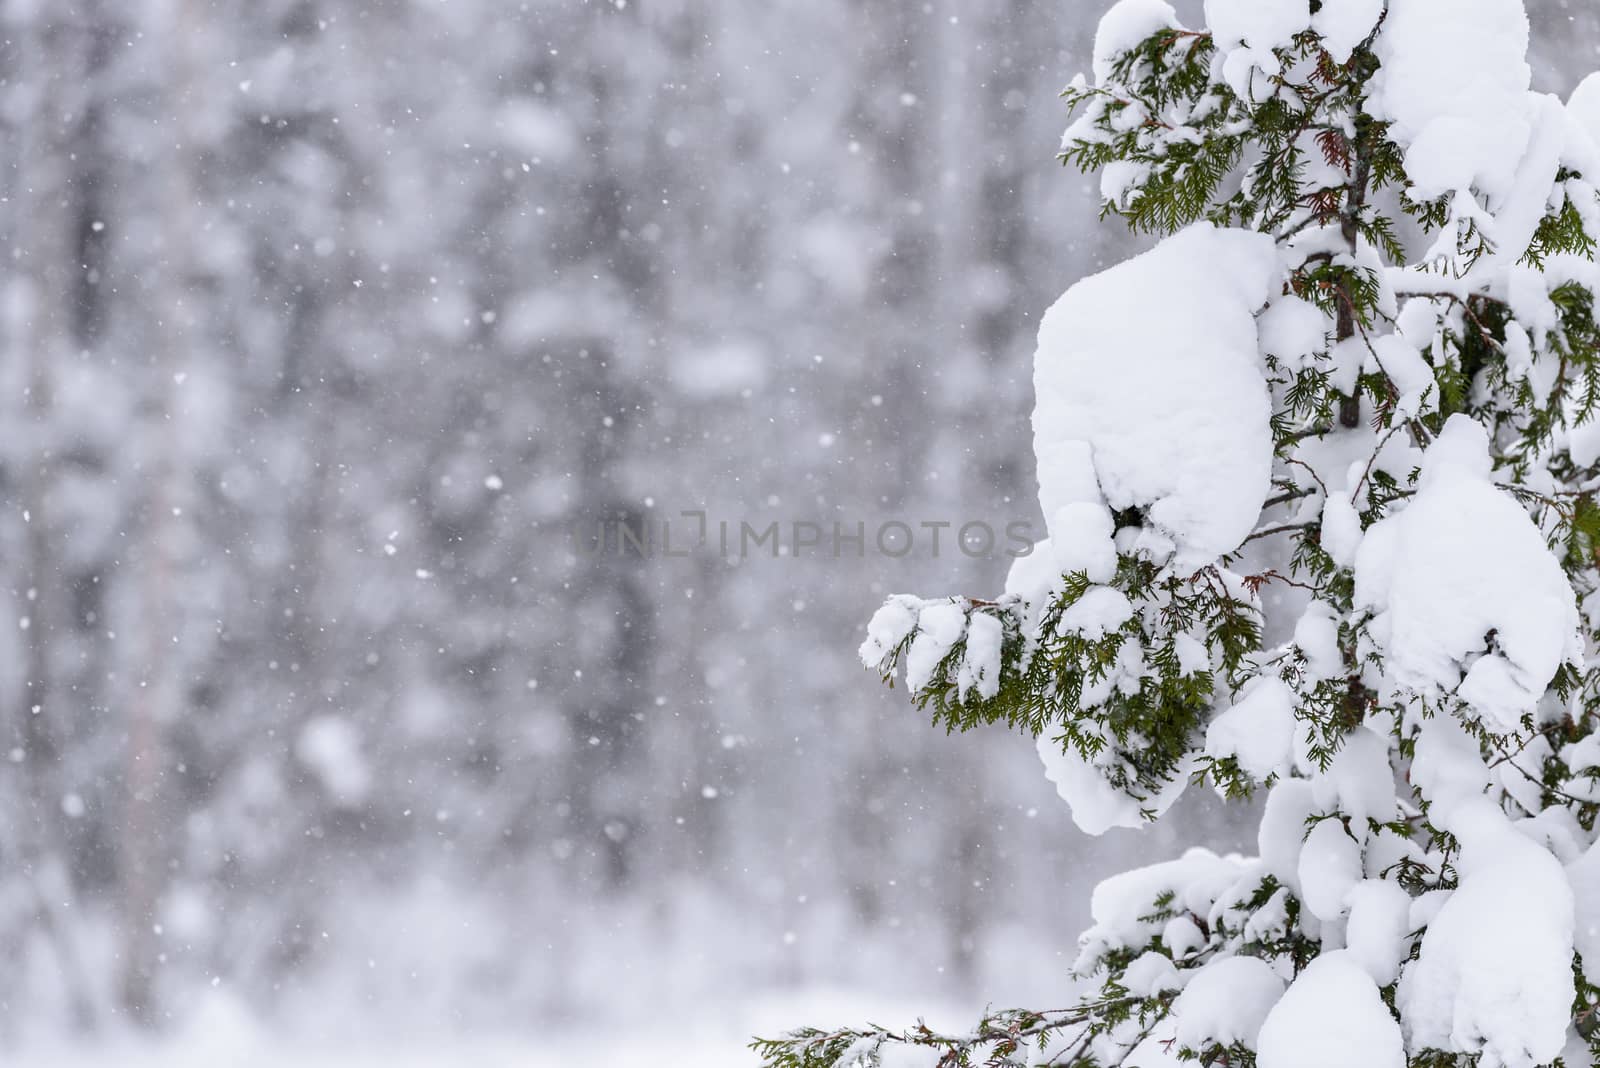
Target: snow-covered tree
x=1321, y=472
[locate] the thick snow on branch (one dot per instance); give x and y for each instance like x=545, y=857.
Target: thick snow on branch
x=1344, y=24
x=1097, y=806
x=1332, y=1017
x=1454, y=81
x=1494, y=975
x=1151, y=393
x=1247, y=31
x=1464, y=590
x=1123, y=27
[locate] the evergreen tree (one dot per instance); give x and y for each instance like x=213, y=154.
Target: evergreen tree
x=1320, y=473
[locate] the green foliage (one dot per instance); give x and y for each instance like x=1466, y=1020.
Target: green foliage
x=1127, y=673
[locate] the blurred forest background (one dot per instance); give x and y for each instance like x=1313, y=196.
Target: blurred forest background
x=322, y=320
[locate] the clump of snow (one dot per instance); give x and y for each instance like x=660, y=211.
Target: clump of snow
x=1316, y=635
x=1182, y=937
x=1359, y=780
x=1410, y=373
x=1282, y=833
x=1096, y=805
x=1344, y=24
x=1081, y=539
x=899, y=1055
x=1331, y=1017
x=1226, y=1002
x=1494, y=974
x=1330, y=867
x=1293, y=330
x=1126, y=25
x=1101, y=610
x=1380, y=913
x=889, y=627
x=1123, y=905
x=1033, y=576
x=1454, y=82
x=1464, y=591
x=1519, y=209
x=1171, y=409
x=939, y=626
x=1257, y=23
x=1257, y=731
x=1447, y=768
x=1584, y=108
x=1247, y=31
x=980, y=664
x=1151, y=974
x=1584, y=876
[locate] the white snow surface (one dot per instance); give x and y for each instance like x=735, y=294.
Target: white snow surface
x=1331, y=1017
x=1096, y=805
x=1171, y=408
x=1359, y=780
x=1380, y=912
x=1260, y=24
x=1281, y=836
x=980, y=664
x=1447, y=767
x=888, y=628
x=1584, y=876
x=1125, y=25
x=1343, y=24
x=1081, y=540
x=1330, y=867
x=940, y=626
x=1584, y=108
x=1246, y=33
x=1460, y=561
x=1494, y=975
x=1122, y=905
x=1454, y=83
x=1258, y=730
x=1226, y=1002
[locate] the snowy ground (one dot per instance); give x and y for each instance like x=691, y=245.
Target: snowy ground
x=717, y=1038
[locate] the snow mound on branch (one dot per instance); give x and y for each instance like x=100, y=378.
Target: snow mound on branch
x=1246, y=32
x=1359, y=780
x=1257, y=23
x=1447, y=767
x=1584, y=876
x=1494, y=975
x=889, y=627
x=1454, y=82
x=1226, y=1002
x=1462, y=583
x=1281, y=836
x=1332, y=1017
x=1584, y=107
x=1330, y=867
x=940, y=626
x=1126, y=25
x=1379, y=922
x=1164, y=411
x=1343, y=24
x=1096, y=805
x=1123, y=906
x=980, y=667
x=1257, y=731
